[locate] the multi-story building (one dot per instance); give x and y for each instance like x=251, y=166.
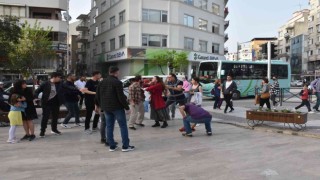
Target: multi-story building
x=245, y=51
x=126, y=32
x=313, y=40
x=256, y=44
x=291, y=38
x=49, y=14
x=83, y=62
x=232, y=56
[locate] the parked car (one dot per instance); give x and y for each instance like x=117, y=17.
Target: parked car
x=37, y=102
x=297, y=83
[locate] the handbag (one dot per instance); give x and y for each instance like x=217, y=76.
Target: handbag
x=265, y=95
x=257, y=100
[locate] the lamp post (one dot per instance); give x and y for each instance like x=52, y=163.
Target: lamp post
x=67, y=17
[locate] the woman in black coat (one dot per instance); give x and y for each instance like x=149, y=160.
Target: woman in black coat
x=20, y=87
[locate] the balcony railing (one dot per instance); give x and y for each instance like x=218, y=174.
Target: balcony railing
x=82, y=27
x=81, y=51
x=226, y=12
x=226, y=37
x=83, y=38
x=226, y=25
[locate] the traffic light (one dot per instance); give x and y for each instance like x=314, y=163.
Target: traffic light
x=273, y=51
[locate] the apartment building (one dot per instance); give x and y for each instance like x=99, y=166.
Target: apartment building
x=83, y=62
x=291, y=41
x=313, y=40
x=49, y=14
x=245, y=51
x=125, y=32
x=232, y=56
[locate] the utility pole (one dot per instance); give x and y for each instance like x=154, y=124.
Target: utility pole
x=269, y=60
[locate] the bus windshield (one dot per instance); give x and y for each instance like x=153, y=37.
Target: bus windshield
x=208, y=71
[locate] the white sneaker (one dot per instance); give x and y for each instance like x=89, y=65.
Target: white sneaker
x=88, y=131
x=12, y=141
x=310, y=112
x=65, y=126
x=78, y=125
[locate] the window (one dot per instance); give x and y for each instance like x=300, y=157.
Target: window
x=203, y=4
x=154, y=40
x=112, y=2
x=215, y=48
x=203, y=46
x=310, y=41
x=122, y=17
x=112, y=44
x=310, y=53
x=103, y=6
x=215, y=9
x=103, y=26
x=203, y=24
x=188, y=20
x=318, y=28
x=318, y=51
x=310, y=30
x=103, y=47
x=94, y=52
x=13, y=11
x=97, y=31
x=122, y=42
x=113, y=22
x=188, y=43
x=215, y=28
x=190, y=2
x=154, y=15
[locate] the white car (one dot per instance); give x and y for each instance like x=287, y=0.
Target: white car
x=37, y=103
x=297, y=83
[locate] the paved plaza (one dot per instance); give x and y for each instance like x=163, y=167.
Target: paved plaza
x=231, y=153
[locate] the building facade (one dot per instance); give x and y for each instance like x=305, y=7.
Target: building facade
x=232, y=56
x=313, y=40
x=256, y=45
x=49, y=14
x=291, y=42
x=126, y=33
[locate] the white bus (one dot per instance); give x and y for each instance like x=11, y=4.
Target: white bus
x=247, y=74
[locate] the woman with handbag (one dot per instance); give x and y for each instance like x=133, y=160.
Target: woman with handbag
x=265, y=93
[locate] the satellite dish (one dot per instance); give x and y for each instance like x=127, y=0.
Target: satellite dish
x=67, y=17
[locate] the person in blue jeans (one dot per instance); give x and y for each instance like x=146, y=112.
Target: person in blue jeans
x=72, y=96
x=195, y=114
x=112, y=101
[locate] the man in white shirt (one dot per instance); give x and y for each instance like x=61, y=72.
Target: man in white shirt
x=80, y=84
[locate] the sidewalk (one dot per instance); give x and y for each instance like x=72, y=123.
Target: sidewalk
x=238, y=118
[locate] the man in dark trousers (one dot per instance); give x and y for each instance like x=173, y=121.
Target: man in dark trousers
x=72, y=96
x=50, y=102
x=228, y=88
x=112, y=101
x=89, y=101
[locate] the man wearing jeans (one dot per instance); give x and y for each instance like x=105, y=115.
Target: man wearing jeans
x=71, y=95
x=316, y=90
x=195, y=114
x=112, y=101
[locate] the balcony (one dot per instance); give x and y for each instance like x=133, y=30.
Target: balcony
x=83, y=38
x=226, y=25
x=287, y=35
x=81, y=51
x=83, y=17
x=57, y=25
x=226, y=2
x=226, y=37
x=226, y=12
x=83, y=27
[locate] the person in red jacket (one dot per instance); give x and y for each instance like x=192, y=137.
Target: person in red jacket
x=158, y=105
x=304, y=97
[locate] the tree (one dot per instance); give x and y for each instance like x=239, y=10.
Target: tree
x=9, y=34
x=170, y=58
x=33, y=45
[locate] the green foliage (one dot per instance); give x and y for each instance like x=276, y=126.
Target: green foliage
x=34, y=45
x=169, y=58
x=9, y=34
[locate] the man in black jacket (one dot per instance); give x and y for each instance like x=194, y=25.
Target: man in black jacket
x=50, y=103
x=112, y=101
x=72, y=96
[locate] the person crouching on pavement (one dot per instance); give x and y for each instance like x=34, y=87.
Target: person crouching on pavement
x=194, y=114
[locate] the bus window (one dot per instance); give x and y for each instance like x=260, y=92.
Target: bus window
x=208, y=70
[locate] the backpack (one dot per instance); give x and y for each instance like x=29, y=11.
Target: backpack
x=212, y=91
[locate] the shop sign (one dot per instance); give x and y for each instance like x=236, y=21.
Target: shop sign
x=116, y=55
x=195, y=56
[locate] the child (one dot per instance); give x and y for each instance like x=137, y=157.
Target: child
x=15, y=116
x=304, y=96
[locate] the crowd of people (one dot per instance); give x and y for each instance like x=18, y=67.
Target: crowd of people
x=105, y=99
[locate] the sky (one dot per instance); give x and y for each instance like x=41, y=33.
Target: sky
x=248, y=18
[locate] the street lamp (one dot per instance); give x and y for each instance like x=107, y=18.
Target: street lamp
x=68, y=18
